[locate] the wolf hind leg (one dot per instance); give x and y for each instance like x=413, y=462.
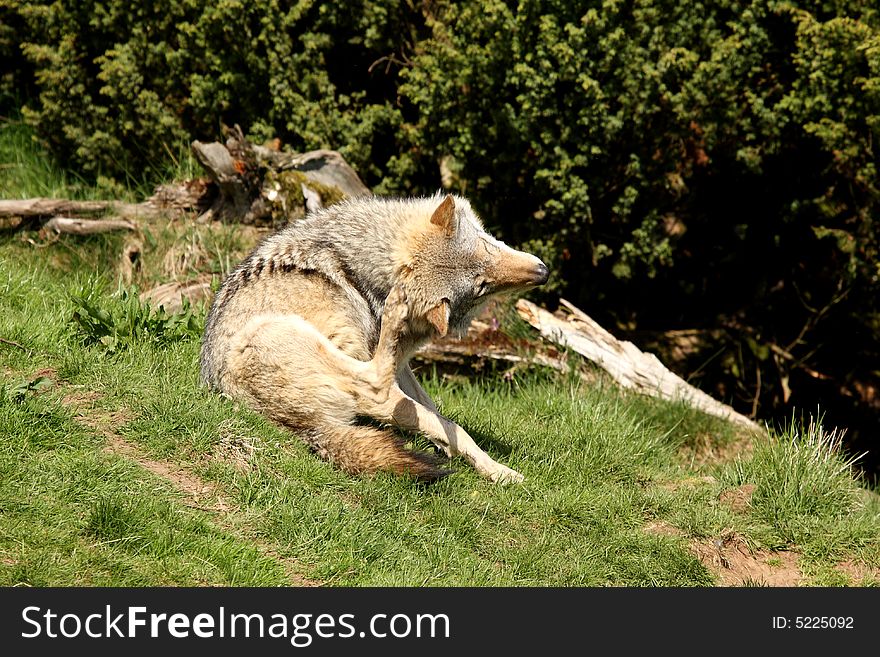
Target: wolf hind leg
x=408, y=414
x=381, y=371
x=285, y=368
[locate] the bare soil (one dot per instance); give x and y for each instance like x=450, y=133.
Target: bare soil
x=732, y=562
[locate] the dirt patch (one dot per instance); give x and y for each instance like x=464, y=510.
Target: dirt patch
x=738, y=499
x=234, y=447
x=201, y=494
x=81, y=399
x=291, y=569
x=661, y=528
x=734, y=564
x=48, y=372
x=688, y=482
x=859, y=573
x=706, y=450
x=198, y=493
x=103, y=422
x=205, y=496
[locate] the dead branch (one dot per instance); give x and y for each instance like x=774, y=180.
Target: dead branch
x=42, y=208
x=47, y=207
x=482, y=343
x=12, y=343
x=70, y=226
x=461, y=352
x=623, y=361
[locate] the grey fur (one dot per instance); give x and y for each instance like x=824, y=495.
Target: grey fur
x=335, y=269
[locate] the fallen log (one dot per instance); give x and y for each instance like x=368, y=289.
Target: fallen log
x=464, y=351
x=48, y=207
x=71, y=226
x=629, y=366
x=173, y=296
x=246, y=183
x=325, y=167
x=483, y=343
x=43, y=208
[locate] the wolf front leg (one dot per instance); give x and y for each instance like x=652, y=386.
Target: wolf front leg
x=451, y=438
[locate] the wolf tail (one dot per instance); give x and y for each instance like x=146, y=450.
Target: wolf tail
x=367, y=450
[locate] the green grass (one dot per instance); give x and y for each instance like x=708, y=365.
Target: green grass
x=804, y=491
x=599, y=465
x=118, y=468
x=26, y=171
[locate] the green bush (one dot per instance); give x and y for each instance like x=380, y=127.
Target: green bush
x=707, y=165
x=121, y=83
x=685, y=165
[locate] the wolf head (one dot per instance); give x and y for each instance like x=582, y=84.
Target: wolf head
x=454, y=266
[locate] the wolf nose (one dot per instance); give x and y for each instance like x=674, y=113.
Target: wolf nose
x=541, y=274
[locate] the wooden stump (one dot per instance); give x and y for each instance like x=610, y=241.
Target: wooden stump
x=262, y=186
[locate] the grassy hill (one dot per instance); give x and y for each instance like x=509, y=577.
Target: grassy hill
x=118, y=468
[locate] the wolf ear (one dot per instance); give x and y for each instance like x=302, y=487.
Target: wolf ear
x=444, y=216
x=438, y=316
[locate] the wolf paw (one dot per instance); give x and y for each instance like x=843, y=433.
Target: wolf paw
x=504, y=475
x=396, y=306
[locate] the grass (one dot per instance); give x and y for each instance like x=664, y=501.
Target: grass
x=118, y=468
x=27, y=172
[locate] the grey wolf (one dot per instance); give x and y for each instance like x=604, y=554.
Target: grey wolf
x=315, y=328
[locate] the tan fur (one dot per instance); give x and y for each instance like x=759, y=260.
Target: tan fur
x=444, y=216
x=316, y=327
x=438, y=316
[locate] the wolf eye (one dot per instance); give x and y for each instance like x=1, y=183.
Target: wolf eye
x=481, y=287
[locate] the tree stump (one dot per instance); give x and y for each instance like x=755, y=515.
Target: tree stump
x=263, y=186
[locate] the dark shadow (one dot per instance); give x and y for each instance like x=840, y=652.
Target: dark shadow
x=489, y=442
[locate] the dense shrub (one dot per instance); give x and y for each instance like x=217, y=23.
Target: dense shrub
x=698, y=165
x=690, y=165
x=121, y=83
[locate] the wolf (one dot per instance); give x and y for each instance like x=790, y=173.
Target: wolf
x=316, y=327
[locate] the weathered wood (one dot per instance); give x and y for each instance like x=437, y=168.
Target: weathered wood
x=623, y=361
x=171, y=296
x=239, y=194
x=261, y=185
x=71, y=226
x=196, y=194
x=463, y=351
x=325, y=167
x=49, y=207
x=247, y=184
x=483, y=342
